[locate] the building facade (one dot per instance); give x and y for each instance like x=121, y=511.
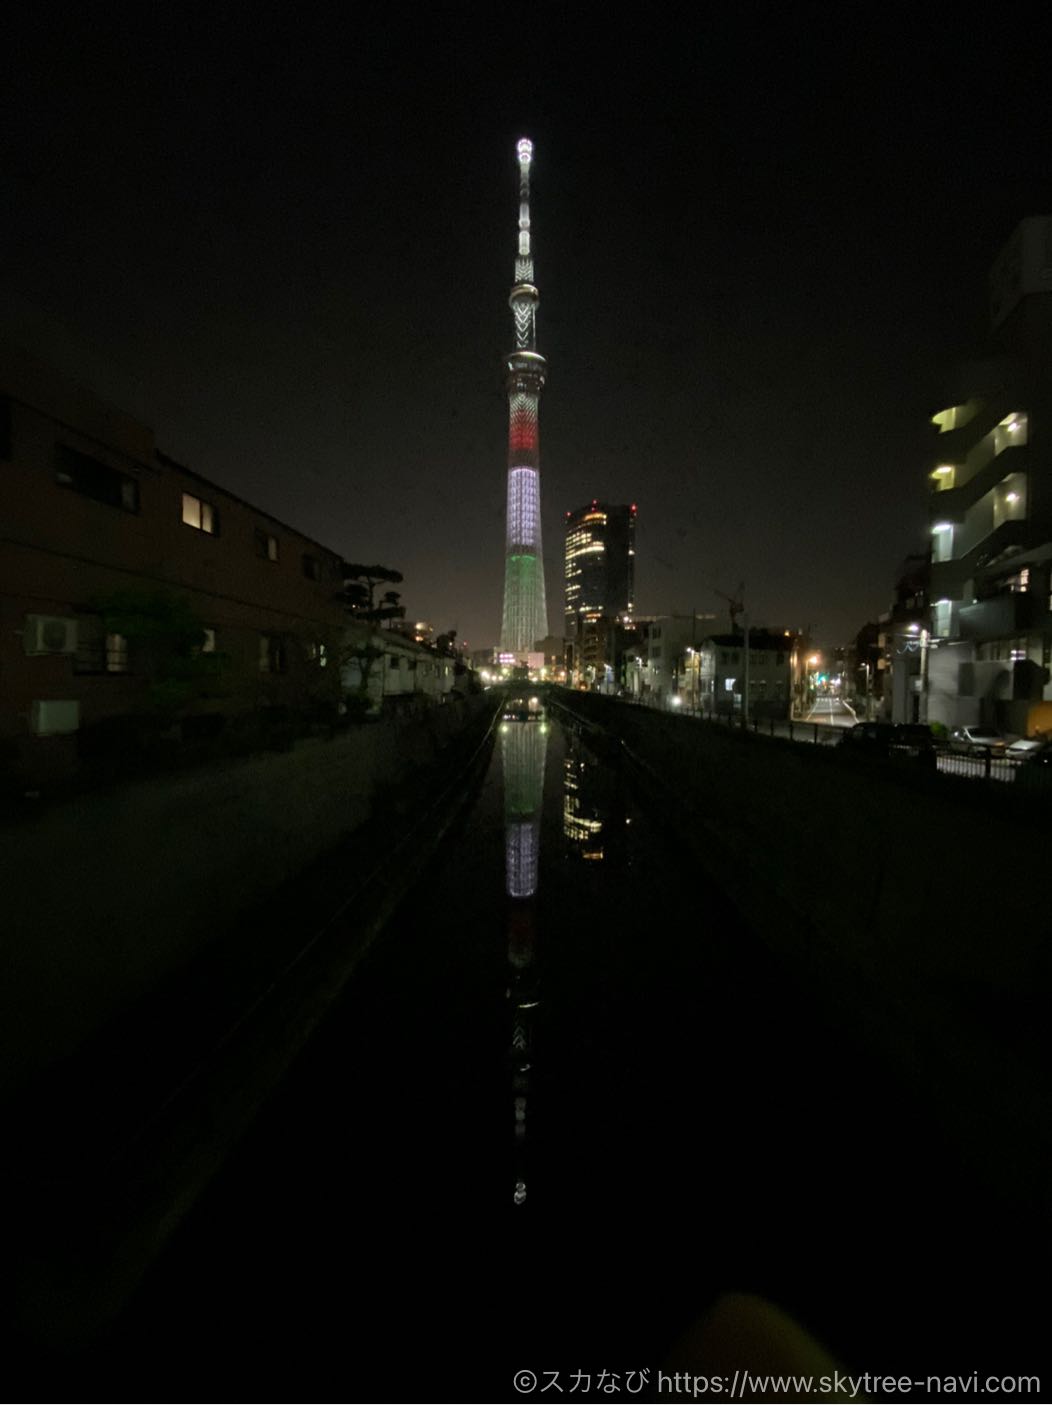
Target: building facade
x=987, y=643
x=134, y=590
x=599, y=584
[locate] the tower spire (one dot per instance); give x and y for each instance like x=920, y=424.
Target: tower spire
x=524, y=260
x=525, y=619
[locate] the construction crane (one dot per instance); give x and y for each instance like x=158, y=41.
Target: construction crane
x=736, y=603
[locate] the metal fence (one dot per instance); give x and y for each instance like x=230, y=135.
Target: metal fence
x=978, y=764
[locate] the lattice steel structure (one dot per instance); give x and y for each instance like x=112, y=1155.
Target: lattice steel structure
x=523, y=749
x=525, y=619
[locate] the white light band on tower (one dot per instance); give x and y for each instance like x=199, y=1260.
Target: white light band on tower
x=524, y=509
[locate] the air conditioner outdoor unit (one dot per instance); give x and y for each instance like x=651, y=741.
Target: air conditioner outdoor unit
x=54, y=718
x=50, y=634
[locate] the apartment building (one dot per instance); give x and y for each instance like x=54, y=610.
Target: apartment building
x=96, y=526
x=987, y=642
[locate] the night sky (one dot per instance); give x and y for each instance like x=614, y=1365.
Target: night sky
x=284, y=237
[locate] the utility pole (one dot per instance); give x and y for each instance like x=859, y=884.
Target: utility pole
x=737, y=607
x=745, y=695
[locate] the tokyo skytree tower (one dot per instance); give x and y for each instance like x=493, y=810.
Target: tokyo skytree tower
x=525, y=618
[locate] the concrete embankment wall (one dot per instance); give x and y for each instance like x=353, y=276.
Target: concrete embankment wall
x=106, y=894
x=909, y=900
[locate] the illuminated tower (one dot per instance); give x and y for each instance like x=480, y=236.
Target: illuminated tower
x=525, y=618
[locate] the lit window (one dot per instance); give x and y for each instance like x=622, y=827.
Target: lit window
x=116, y=653
x=200, y=514
x=209, y=645
x=272, y=658
x=266, y=545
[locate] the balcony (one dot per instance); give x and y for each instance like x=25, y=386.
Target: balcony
x=1003, y=616
x=952, y=504
x=949, y=576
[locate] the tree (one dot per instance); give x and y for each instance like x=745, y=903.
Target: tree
x=359, y=592
x=359, y=598
x=165, y=637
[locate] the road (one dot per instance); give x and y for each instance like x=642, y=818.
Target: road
x=834, y=712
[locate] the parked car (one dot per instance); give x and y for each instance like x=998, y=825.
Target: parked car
x=977, y=741
x=1025, y=746
x=1035, y=769
x=895, y=741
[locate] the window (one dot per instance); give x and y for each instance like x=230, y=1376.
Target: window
x=95, y=480
x=200, y=514
x=209, y=644
x=266, y=545
x=116, y=653
x=5, y=429
x=317, y=653
x=97, y=651
x=272, y=656
x=311, y=567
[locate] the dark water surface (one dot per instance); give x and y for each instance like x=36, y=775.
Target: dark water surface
x=543, y=1131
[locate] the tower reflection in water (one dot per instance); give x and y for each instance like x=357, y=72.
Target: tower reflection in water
x=524, y=745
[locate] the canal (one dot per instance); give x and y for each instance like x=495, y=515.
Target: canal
x=564, y=1103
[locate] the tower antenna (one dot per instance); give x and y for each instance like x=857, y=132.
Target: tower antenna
x=525, y=617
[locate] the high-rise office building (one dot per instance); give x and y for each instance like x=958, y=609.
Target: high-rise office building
x=600, y=564
x=599, y=574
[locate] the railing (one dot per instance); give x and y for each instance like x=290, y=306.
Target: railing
x=793, y=729
x=977, y=764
